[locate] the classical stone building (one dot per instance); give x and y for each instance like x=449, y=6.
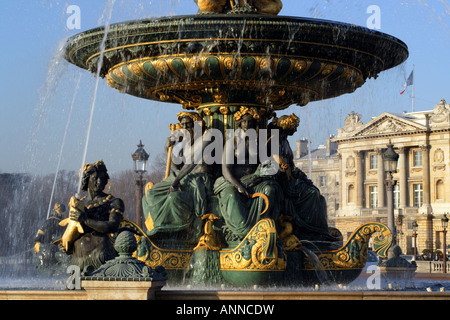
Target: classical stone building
x=355, y=177
x=322, y=166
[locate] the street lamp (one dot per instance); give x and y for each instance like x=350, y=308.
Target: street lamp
x=390, y=159
x=140, y=158
x=415, y=227
x=444, y=222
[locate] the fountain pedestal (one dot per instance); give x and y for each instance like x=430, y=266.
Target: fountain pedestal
x=397, y=269
x=125, y=277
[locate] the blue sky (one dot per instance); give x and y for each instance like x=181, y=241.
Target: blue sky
x=37, y=90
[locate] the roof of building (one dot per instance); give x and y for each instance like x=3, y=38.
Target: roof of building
x=319, y=153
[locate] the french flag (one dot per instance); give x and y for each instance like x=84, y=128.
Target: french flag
x=408, y=82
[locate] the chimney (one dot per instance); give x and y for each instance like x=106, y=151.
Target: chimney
x=331, y=146
x=302, y=148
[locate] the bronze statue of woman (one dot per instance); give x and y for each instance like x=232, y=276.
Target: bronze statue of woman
x=100, y=217
x=242, y=177
x=174, y=206
x=302, y=200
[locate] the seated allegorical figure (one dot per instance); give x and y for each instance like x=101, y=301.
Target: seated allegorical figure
x=98, y=217
x=243, y=177
x=302, y=201
x=177, y=203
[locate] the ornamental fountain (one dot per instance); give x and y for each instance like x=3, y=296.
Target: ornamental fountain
x=231, y=59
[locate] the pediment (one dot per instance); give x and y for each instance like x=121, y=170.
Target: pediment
x=387, y=123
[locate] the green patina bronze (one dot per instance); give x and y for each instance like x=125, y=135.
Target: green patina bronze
x=233, y=69
x=125, y=267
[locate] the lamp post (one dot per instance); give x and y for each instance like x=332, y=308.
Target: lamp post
x=390, y=158
x=444, y=222
x=140, y=158
x=415, y=227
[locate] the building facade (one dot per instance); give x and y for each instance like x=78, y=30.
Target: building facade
x=355, y=177
x=322, y=167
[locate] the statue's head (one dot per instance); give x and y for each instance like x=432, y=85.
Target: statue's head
x=95, y=177
x=186, y=120
x=246, y=118
x=287, y=124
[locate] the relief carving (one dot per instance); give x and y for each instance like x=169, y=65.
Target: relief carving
x=350, y=166
x=438, y=160
x=389, y=125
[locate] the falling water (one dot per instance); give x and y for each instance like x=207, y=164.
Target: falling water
x=108, y=10
x=56, y=70
x=62, y=145
x=320, y=271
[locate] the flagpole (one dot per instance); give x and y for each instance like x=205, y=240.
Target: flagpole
x=413, y=89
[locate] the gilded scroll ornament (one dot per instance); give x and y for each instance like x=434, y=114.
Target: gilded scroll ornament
x=258, y=251
x=353, y=255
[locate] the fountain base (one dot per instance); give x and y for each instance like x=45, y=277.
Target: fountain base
x=260, y=259
x=122, y=290
x=286, y=295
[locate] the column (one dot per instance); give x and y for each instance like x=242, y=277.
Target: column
x=425, y=233
x=342, y=186
x=426, y=177
x=390, y=183
x=403, y=177
x=380, y=178
x=359, y=188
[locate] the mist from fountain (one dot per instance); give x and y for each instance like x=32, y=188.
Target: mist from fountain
x=17, y=260
x=63, y=143
x=107, y=14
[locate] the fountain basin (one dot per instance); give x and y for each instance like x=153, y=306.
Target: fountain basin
x=260, y=260
x=225, y=58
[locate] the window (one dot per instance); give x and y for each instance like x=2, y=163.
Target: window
x=322, y=181
x=418, y=195
x=373, y=196
x=396, y=196
x=373, y=160
x=417, y=158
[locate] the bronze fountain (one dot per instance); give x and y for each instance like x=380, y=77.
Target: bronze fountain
x=235, y=62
